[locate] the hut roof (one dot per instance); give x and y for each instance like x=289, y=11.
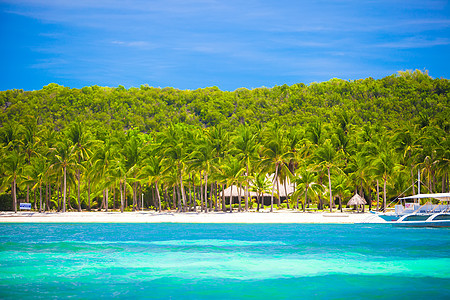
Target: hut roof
x=356, y=200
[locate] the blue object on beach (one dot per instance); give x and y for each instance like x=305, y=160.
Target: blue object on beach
x=26, y=206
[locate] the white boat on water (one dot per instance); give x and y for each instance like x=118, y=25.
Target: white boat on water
x=424, y=220
x=416, y=208
x=427, y=215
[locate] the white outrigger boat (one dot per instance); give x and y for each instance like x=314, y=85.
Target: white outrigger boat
x=427, y=215
x=416, y=208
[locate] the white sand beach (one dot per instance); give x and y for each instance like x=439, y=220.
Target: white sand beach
x=189, y=217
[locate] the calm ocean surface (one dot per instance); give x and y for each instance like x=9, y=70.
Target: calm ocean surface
x=223, y=261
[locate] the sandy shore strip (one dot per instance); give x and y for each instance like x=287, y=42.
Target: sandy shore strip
x=189, y=217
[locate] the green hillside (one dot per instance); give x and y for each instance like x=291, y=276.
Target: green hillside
x=108, y=142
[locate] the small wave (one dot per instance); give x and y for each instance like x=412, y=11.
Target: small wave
x=201, y=242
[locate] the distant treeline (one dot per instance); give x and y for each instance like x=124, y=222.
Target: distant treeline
x=101, y=147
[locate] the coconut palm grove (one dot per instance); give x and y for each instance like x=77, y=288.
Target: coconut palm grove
x=103, y=148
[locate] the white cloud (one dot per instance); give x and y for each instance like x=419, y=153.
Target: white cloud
x=135, y=44
x=415, y=42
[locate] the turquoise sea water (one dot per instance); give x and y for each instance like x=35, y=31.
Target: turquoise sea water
x=223, y=261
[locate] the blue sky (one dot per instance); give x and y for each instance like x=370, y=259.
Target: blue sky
x=190, y=44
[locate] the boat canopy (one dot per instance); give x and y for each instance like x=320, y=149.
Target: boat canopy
x=441, y=196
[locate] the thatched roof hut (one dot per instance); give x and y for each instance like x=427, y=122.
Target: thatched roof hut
x=356, y=200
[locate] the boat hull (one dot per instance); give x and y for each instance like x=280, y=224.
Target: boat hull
x=424, y=220
x=422, y=224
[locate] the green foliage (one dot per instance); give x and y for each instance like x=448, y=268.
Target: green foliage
x=349, y=134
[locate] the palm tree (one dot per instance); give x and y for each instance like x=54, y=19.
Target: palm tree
x=245, y=148
x=64, y=159
x=153, y=171
x=12, y=168
x=326, y=156
x=232, y=171
x=103, y=165
x=275, y=153
x=359, y=172
x=384, y=166
x=38, y=171
x=341, y=187
x=29, y=143
x=220, y=141
x=80, y=142
x=132, y=155
x=260, y=185
x=202, y=158
x=409, y=143
x=305, y=181
x=174, y=145
x=443, y=165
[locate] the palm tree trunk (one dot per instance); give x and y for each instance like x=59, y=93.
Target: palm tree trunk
x=174, y=195
x=124, y=203
x=278, y=191
x=68, y=199
x=384, y=195
x=239, y=198
x=65, y=190
x=107, y=199
x=194, y=200
x=35, y=200
x=224, y=208
x=273, y=187
x=329, y=186
x=121, y=196
x=46, y=196
x=285, y=192
x=13, y=192
x=40, y=197
x=201, y=193
x=231, y=198
x=206, y=192
x=134, y=196
x=158, y=197
x=166, y=197
x=183, y=194
x=217, y=196
x=246, y=189
x=114, y=197
x=306, y=199
x=190, y=197
x=378, y=196
x=78, y=195
x=211, y=200
x=179, y=209
x=58, y=198
x=257, y=201
x=103, y=200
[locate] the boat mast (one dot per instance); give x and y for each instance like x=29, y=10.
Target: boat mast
x=418, y=181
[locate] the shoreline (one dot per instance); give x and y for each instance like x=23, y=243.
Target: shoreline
x=282, y=217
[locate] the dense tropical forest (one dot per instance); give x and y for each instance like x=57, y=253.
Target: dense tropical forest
x=162, y=148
